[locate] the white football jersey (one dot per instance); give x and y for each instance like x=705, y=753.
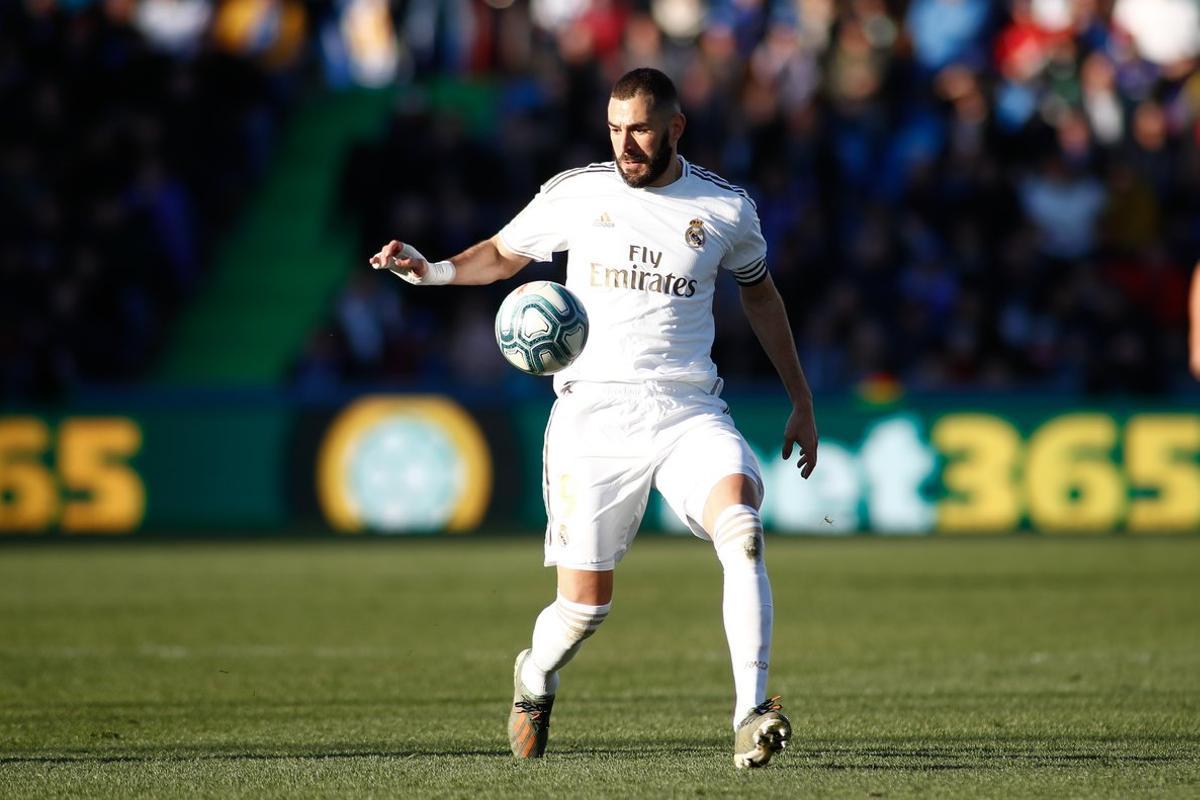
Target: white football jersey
x=644, y=262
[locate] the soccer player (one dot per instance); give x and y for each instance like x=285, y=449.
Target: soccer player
x=647, y=234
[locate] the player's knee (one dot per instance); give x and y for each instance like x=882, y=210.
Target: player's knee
x=732, y=490
x=580, y=620
x=590, y=587
x=738, y=536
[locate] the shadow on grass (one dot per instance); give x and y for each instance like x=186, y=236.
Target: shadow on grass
x=922, y=759
x=188, y=754
x=957, y=753
x=184, y=755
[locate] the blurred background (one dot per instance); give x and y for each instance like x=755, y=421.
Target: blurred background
x=982, y=216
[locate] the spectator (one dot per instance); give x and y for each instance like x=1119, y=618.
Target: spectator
x=955, y=192
x=883, y=144
x=1064, y=207
x=124, y=145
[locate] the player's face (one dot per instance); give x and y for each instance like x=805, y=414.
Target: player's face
x=643, y=143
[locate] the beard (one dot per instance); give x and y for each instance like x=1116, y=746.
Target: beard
x=657, y=164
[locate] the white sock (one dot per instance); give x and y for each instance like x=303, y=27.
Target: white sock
x=557, y=636
x=747, y=607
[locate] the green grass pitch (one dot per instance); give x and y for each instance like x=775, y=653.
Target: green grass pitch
x=1006, y=667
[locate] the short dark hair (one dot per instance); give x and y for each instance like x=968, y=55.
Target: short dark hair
x=648, y=81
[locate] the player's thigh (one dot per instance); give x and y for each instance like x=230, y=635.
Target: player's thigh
x=711, y=456
x=596, y=486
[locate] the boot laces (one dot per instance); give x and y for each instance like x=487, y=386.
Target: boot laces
x=770, y=704
x=538, y=714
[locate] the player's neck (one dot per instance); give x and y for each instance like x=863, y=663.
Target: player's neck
x=672, y=173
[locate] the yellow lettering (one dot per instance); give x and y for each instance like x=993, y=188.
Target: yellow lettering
x=566, y=493
x=1160, y=454
x=1071, y=481
x=91, y=460
x=983, y=452
x=28, y=492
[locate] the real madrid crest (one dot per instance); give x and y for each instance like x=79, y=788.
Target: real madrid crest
x=694, y=235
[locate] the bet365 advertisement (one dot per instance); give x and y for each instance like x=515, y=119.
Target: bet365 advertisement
x=418, y=464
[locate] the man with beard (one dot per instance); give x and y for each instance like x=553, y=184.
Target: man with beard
x=648, y=234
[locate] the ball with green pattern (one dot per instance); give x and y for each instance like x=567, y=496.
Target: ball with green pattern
x=541, y=327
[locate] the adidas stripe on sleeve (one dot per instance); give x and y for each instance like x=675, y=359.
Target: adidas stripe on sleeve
x=752, y=273
x=537, y=232
x=747, y=259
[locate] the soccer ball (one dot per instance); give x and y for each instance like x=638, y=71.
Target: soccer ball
x=541, y=327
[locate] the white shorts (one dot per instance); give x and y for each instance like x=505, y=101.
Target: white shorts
x=607, y=444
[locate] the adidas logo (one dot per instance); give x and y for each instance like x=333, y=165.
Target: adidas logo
x=603, y=221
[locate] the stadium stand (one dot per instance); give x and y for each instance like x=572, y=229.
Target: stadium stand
x=957, y=194
x=126, y=148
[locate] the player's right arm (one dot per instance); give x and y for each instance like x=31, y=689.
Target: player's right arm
x=535, y=233
x=486, y=262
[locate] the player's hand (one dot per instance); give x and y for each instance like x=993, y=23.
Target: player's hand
x=801, y=431
x=402, y=259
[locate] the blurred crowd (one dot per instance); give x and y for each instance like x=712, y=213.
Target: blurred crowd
x=956, y=194
x=130, y=134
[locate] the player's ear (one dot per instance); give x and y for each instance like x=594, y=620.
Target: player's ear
x=678, y=123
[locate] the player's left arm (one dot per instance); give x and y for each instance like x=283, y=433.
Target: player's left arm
x=768, y=318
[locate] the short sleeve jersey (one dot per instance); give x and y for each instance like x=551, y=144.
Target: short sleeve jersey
x=644, y=262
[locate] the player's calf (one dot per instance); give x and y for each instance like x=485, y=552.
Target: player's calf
x=747, y=607
x=560, y=631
